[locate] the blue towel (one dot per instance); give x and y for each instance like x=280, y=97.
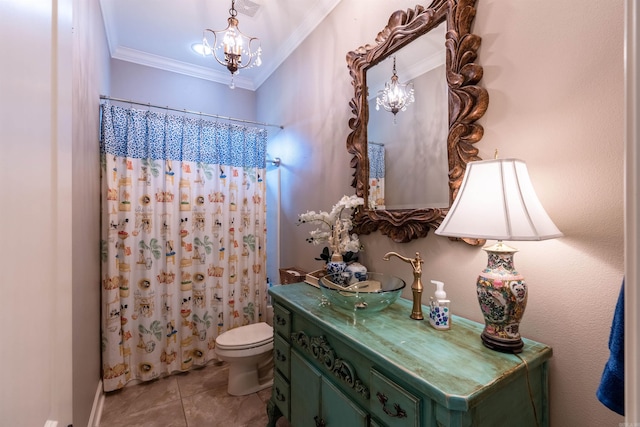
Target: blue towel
x=611, y=390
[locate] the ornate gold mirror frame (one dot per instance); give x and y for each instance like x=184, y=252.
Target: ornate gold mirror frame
x=467, y=103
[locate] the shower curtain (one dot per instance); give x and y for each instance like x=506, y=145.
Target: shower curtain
x=183, y=238
x=375, y=152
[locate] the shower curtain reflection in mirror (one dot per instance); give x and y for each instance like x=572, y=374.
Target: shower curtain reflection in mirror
x=183, y=234
x=375, y=152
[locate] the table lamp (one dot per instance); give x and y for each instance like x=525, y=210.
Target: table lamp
x=497, y=201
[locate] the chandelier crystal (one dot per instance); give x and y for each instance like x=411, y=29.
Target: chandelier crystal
x=395, y=96
x=231, y=47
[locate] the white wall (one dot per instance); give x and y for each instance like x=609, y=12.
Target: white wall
x=35, y=171
x=48, y=124
x=90, y=78
x=554, y=73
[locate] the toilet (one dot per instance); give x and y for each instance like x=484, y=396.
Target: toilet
x=249, y=352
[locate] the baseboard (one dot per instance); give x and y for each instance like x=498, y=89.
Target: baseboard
x=96, y=409
x=50, y=423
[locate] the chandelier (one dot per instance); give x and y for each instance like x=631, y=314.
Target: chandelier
x=236, y=46
x=395, y=96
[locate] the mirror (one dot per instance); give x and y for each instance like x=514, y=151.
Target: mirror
x=418, y=132
x=410, y=217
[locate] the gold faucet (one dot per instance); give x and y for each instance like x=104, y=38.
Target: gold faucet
x=416, y=287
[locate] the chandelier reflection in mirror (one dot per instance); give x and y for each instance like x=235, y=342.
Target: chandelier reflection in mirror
x=236, y=46
x=395, y=96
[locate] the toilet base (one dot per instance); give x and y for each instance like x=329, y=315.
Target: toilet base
x=238, y=388
x=248, y=378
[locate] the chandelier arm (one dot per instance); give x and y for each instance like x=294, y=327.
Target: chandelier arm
x=212, y=48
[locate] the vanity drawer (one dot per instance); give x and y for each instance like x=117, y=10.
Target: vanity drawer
x=281, y=394
x=282, y=320
x=391, y=404
x=281, y=356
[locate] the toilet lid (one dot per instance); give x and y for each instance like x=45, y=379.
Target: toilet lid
x=252, y=335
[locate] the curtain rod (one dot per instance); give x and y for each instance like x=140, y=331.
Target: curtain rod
x=146, y=104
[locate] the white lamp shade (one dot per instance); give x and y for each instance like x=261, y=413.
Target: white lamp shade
x=497, y=201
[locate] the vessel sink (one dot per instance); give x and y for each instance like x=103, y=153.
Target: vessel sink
x=372, y=293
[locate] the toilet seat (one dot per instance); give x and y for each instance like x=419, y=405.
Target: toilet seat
x=245, y=337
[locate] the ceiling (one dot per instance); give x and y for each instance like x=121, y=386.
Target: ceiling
x=160, y=33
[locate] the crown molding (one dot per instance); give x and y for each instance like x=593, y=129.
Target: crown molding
x=162, y=63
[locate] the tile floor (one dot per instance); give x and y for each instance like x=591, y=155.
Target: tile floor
x=197, y=398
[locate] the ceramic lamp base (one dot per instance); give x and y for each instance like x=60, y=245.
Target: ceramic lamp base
x=502, y=294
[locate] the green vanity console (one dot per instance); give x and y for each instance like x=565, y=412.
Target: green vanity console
x=340, y=369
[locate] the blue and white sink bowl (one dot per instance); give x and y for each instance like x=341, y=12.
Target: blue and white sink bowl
x=371, y=293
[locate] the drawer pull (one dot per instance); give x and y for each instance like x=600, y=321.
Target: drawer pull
x=319, y=422
x=400, y=413
x=280, y=357
x=281, y=321
x=279, y=396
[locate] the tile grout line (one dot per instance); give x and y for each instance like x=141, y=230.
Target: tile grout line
x=184, y=414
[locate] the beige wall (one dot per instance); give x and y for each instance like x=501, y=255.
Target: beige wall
x=554, y=73
x=140, y=83
x=632, y=213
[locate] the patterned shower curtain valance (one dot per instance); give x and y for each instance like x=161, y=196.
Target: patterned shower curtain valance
x=159, y=136
x=183, y=238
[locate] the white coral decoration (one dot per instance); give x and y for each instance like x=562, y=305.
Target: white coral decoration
x=333, y=228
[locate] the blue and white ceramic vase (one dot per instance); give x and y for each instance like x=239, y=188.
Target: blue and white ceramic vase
x=336, y=265
x=357, y=270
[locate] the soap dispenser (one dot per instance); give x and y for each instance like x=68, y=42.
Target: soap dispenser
x=439, y=315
